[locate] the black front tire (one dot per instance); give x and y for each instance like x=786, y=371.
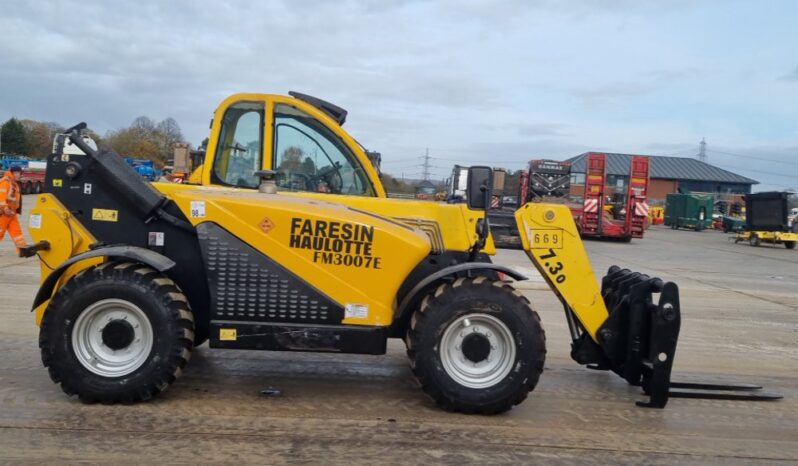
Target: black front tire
x=477, y=298
x=754, y=240
x=161, y=307
x=790, y=244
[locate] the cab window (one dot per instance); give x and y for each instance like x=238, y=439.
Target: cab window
x=308, y=156
x=239, y=150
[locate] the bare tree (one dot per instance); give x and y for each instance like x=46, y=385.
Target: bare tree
x=168, y=134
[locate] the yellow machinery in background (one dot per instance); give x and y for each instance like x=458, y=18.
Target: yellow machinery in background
x=756, y=238
x=767, y=220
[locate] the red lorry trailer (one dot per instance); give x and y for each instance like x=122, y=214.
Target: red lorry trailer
x=32, y=179
x=591, y=218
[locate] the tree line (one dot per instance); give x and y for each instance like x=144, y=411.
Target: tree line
x=144, y=138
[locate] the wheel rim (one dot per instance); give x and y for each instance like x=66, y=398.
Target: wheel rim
x=462, y=350
x=112, y=337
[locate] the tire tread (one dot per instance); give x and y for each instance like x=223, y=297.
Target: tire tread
x=438, y=298
x=123, y=273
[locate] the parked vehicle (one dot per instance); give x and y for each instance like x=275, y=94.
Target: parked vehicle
x=693, y=211
x=591, y=217
x=144, y=167
x=545, y=179
x=766, y=220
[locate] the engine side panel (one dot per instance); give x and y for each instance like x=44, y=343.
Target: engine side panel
x=356, y=259
x=246, y=285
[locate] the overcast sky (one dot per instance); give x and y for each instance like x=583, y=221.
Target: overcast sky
x=474, y=81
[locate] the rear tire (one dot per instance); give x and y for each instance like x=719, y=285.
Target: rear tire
x=118, y=332
x=27, y=188
x=789, y=244
x=476, y=346
x=754, y=240
x=37, y=188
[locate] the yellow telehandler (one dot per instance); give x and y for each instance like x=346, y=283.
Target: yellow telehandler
x=288, y=242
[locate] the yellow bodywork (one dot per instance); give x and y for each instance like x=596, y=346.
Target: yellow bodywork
x=455, y=224
x=367, y=270
x=551, y=240
x=67, y=238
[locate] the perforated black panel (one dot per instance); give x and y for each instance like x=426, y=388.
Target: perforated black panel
x=249, y=286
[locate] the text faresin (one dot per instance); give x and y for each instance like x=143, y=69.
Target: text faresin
x=335, y=243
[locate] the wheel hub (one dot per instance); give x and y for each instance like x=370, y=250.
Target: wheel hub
x=118, y=334
x=477, y=350
x=476, y=347
x=112, y=337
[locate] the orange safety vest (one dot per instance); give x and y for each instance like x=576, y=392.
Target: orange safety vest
x=9, y=192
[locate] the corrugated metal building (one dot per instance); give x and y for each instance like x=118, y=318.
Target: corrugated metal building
x=668, y=174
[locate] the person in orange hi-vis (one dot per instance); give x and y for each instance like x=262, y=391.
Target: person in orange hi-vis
x=10, y=206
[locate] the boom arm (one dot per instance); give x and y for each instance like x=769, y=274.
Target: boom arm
x=551, y=240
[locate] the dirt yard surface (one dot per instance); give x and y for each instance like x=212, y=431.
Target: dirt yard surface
x=740, y=323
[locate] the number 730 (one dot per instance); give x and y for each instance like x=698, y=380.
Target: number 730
x=555, y=268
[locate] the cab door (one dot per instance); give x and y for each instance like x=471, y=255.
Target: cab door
x=313, y=157
x=237, y=146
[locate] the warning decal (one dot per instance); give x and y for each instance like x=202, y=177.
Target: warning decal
x=105, y=215
x=228, y=334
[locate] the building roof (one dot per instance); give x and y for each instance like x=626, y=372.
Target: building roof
x=669, y=168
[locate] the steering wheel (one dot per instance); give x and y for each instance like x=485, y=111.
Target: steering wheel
x=331, y=176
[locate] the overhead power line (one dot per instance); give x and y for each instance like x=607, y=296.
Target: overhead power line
x=684, y=152
x=752, y=157
x=759, y=171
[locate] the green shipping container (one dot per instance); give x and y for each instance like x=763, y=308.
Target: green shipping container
x=689, y=211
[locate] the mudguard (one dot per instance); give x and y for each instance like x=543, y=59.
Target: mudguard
x=451, y=271
x=145, y=256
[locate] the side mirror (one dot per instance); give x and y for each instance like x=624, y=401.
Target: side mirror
x=480, y=186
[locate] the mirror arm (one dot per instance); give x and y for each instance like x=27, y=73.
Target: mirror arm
x=483, y=227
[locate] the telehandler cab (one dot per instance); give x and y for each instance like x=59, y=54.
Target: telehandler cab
x=289, y=243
